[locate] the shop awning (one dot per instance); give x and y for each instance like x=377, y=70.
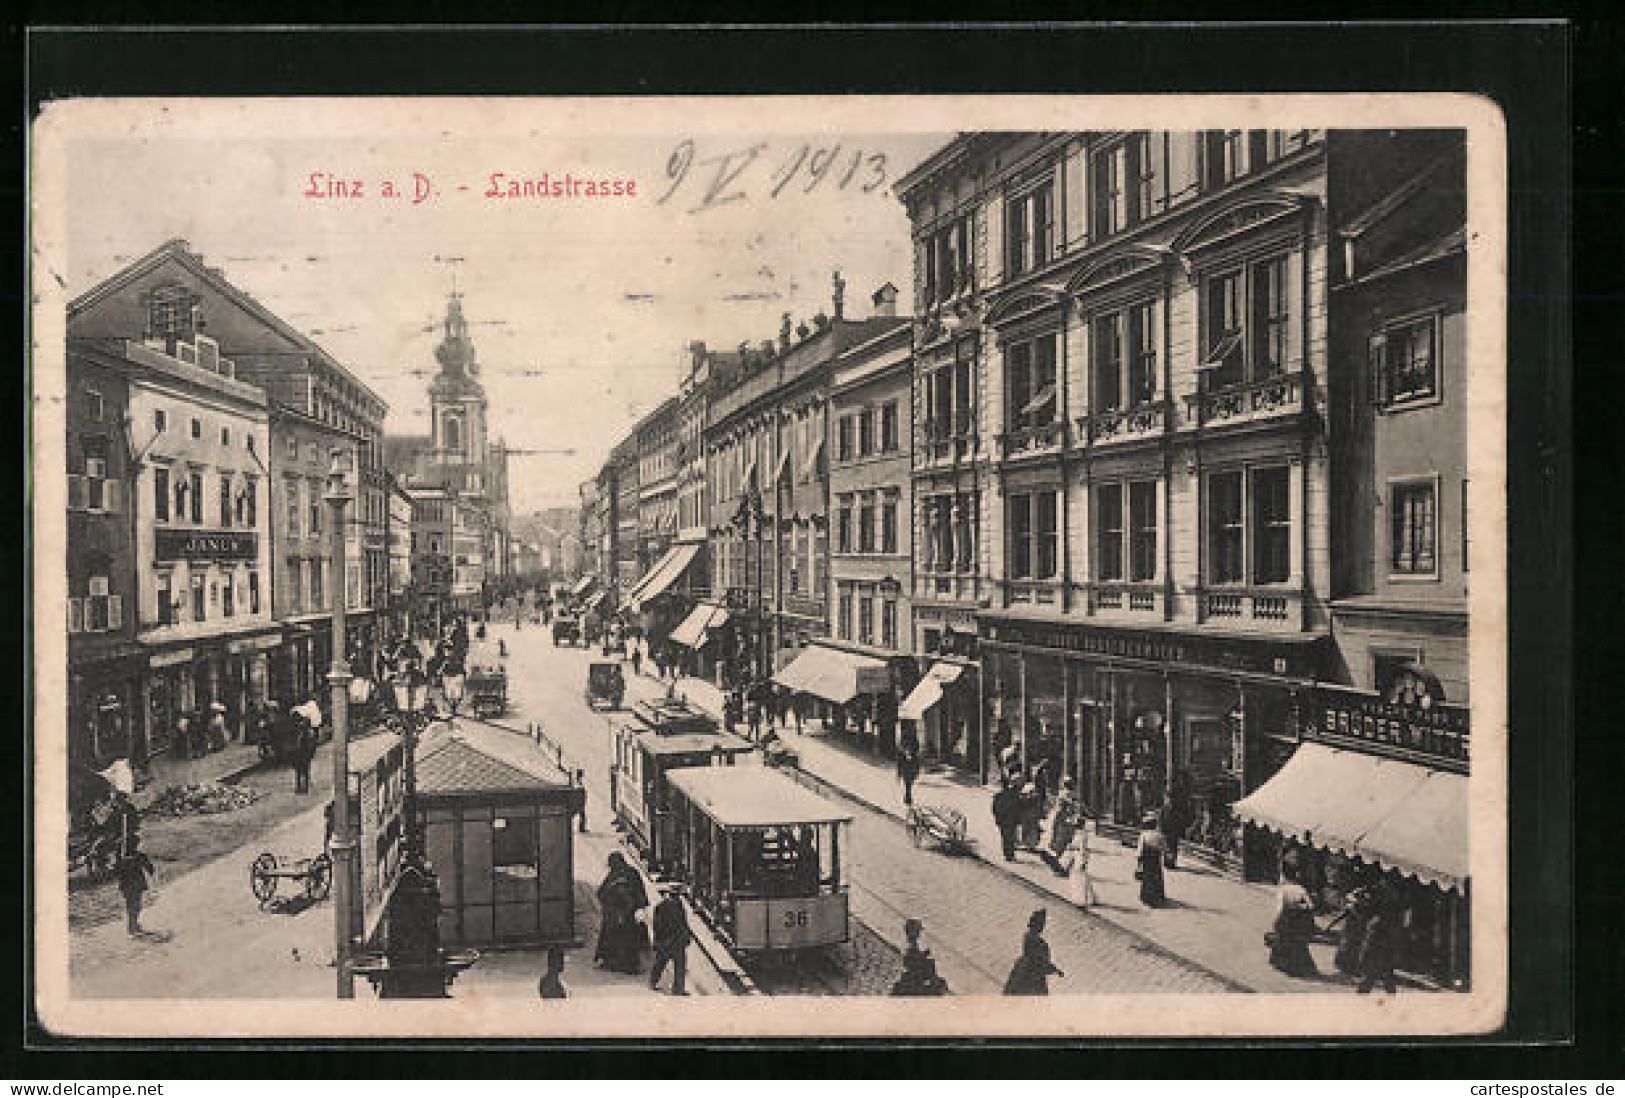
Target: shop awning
x=580, y=586
x=834, y=675
x=928, y=691
x=660, y=578
x=592, y=604
x=1405, y=817
x=696, y=628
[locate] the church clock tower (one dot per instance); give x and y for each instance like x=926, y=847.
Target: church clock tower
x=457, y=406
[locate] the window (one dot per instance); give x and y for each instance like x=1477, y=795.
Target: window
x=196, y=494
x=253, y=592
x=315, y=498
x=843, y=437
x=1030, y=383
x=160, y=420
x=94, y=405
x=947, y=259
x=160, y=493
x=101, y=609
x=1123, y=186
x=1247, y=318
x=888, y=427
x=866, y=524
x=1404, y=361
x=888, y=624
x=965, y=532
x=316, y=595
x=250, y=502
x=1108, y=361
x=166, y=599
x=1226, y=532
x=225, y=500
x=1223, y=153
x=888, y=524
x=296, y=585
x=866, y=613
x=200, y=608
x=1272, y=526
x=96, y=485
x=1109, y=533
x=1030, y=232
x=843, y=612
x=225, y=436
x=292, y=492
x=197, y=428
x=453, y=432
x=248, y=441
x=1268, y=146
x=293, y=449
x=170, y=313
x=1033, y=536
x=843, y=525
x=1142, y=560
x=228, y=593
x=1414, y=526
x=1142, y=363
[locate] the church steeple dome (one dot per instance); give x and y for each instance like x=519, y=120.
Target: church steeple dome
x=459, y=367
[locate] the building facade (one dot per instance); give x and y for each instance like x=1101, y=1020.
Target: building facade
x=398, y=547
x=1121, y=469
x=105, y=664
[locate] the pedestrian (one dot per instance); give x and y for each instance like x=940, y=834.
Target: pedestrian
x=1030, y=819
x=1063, y=825
x=908, y=769
x=1380, y=952
x=1032, y=970
x=551, y=985
x=1083, y=885
x=135, y=871
x=304, y=750
x=920, y=976
x=1355, y=916
x=1170, y=821
x=217, y=727
x=581, y=813
x=672, y=936
x=1149, y=870
x=621, y=938
x=637, y=659
x=1294, y=926
x=1006, y=806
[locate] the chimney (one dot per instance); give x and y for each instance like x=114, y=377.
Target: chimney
x=885, y=300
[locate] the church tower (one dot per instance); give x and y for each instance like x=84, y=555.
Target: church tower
x=457, y=407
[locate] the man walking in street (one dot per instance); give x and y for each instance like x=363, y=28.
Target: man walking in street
x=581, y=784
x=1006, y=811
x=908, y=769
x=671, y=935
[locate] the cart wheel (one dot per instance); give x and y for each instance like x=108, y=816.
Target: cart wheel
x=319, y=878
x=916, y=833
x=262, y=877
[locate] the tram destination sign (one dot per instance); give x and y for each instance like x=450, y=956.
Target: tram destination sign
x=206, y=545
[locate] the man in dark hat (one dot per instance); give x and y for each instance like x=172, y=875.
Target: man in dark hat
x=671, y=935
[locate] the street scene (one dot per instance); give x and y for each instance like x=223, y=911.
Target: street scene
x=1043, y=571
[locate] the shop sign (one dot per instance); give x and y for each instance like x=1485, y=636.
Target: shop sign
x=170, y=659
x=254, y=644
x=1353, y=716
x=1257, y=658
x=206, y=545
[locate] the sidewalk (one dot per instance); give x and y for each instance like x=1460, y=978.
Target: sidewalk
x=219, y=766
x=1212, y=920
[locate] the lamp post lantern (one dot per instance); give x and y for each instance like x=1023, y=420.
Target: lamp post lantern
x=339, y=495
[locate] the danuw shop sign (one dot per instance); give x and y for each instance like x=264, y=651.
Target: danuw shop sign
x=206, y=545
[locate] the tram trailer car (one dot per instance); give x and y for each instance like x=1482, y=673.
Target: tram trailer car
x=660, y=740
x=761, y=856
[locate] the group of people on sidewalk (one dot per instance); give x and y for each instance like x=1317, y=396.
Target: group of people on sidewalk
x=623, y=937
x=1372, y=926
x=1024, y=816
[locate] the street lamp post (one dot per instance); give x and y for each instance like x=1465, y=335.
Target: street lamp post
x=339, y=495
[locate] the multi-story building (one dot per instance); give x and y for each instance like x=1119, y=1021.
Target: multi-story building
x=871, y=550
x=591, y=527
x=768, y=470
x=1120, y=462
x=448, y=543
x=398, y=546
x=171, y=295
x=628, y=568
x=655, y=441
x=302, y=577
x=202, y=602
x=105, y=664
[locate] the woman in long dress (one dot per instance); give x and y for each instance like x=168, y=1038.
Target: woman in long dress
x=1294, y=926
x=621, y=938
x=1083, y=885
x=1149, y=855
x=1063, y=825
x=1032, y=970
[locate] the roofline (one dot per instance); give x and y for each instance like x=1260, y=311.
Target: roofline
x=1400, y=194
x=278, y=409
x=911, y=180
x=180, y=250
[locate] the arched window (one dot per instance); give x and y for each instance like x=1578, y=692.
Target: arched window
x=452, y=432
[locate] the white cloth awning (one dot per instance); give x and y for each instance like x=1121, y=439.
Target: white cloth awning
x=582, y=584
x=695, y=629
x=1403, y=816
x=834, y=675
x=928, y=691
x=660, y=578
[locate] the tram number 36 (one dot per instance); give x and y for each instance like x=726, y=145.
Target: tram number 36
x=795, y=919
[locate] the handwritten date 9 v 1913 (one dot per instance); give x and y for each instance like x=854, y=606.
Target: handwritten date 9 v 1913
x=731, y=176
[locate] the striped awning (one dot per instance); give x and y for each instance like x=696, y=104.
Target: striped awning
x=834, y=675
x=695, y=629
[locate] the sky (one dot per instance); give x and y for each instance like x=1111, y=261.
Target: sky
x=581, y=308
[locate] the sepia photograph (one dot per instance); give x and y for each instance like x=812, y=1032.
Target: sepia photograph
x=744, y=566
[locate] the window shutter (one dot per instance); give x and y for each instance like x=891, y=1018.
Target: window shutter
x=110, y=496
x=76, y=615
x=76, y=492
x=1377, y=367
x=115, y=612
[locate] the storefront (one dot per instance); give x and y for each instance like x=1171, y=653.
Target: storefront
x=851, y=692
x=1376, y=797
x=1142, y=717
x=171, y=690
x=104, y=707
x=701, y=638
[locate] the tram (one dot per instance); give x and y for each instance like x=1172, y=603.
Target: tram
x=761, y=857
x=659, y=739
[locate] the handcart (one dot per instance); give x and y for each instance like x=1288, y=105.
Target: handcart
x=944, y=826
x=315, y=873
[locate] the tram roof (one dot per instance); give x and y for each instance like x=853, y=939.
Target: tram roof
x=753, y=796
x=687, y=743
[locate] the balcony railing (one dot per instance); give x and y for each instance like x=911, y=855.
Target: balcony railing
x=1134, y=598
x=949, y=586
x=1022, y=592
x=1126, y=425
x=946, y=450
x=1267, y=398
x=1269, y=608
x=1042, y=439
